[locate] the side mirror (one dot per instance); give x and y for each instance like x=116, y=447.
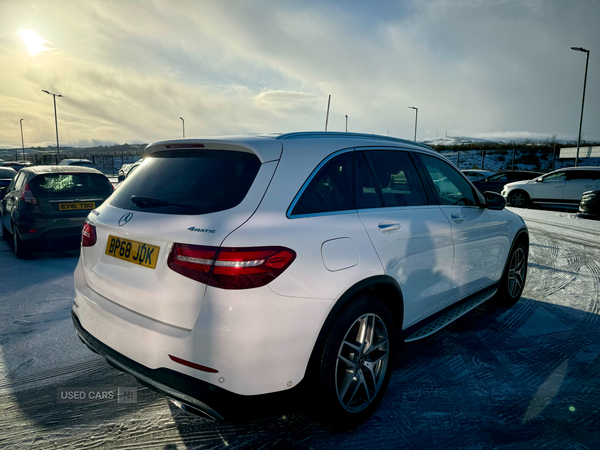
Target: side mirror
x=493, y=200
x=539, y=179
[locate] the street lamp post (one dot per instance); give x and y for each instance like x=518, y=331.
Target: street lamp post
x=346, y=123
x=55, y=122
x=587, y=58
x=416, y=117
x=183, y=123
x=22, y=141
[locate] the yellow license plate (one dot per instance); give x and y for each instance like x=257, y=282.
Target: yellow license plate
x=133, y=251
x=77, y=205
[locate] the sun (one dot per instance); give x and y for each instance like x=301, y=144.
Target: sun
x=33, y=41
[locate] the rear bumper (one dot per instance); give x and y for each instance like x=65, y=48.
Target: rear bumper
x=259, y=343
x=50, y=230
x=211, y=401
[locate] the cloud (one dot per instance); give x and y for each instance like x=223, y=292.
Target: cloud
x=129, y=70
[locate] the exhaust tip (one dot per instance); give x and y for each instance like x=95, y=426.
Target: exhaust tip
x=192, y=409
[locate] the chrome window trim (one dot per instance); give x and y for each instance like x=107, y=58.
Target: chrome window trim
x=288, y=213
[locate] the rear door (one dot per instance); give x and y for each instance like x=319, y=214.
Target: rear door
x=192, y=197
x=479, y=234
x=578, y=182
x=412, y=237
x=494, y=183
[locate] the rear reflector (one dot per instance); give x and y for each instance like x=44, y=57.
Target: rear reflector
x=230, y=268
x=88, y=235
x=193, y=365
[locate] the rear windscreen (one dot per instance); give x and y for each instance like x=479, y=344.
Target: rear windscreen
x=188, y=182
x=70, y=184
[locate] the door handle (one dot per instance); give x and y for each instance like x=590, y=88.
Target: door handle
x=458, y=218
x=388, y=227
x=558, y=187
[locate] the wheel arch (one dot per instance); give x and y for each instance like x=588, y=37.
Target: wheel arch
x=384, y=287
x=521, y=237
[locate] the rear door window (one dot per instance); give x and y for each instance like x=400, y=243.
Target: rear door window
x=188, y=182
x=397, y=178
x=331, y=189
x=61, y=185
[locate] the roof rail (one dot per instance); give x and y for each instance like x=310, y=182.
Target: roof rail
x=341, y=134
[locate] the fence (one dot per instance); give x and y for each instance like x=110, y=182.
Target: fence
x=107, y=163
x=538, y=159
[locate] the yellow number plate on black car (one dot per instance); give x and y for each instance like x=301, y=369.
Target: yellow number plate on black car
x=78, y=205
x=133, y=251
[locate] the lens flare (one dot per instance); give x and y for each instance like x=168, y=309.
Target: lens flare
x=33, y=41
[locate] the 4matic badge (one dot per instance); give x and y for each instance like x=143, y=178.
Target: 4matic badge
x=201, y=230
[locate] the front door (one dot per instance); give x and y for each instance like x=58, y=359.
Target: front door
x=550, y=188
x=479, y=234
x=412, y=237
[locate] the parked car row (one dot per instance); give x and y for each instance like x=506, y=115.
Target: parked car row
x=571, y=187
x=49, y=204
x=562, y=187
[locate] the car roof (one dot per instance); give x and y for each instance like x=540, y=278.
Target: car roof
x=7, y=171
x=268, y=147
x=77, y=160
x=38, y=170
x=578, y=168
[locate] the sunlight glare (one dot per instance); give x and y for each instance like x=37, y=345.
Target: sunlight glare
x=33, y=41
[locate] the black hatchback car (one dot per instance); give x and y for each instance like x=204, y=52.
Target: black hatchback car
x=49, y=204
x=6, y=176
x=496, y=182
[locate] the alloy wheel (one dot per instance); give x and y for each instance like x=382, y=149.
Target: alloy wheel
x=362, y=362
x=515, y=273
x=518, y=199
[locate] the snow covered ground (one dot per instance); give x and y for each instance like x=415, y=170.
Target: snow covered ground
x=526, y=377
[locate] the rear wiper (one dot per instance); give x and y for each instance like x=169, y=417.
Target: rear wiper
x=151, y=202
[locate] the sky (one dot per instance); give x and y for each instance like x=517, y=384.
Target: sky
x=128, y=70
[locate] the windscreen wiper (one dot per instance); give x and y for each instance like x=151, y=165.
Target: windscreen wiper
x=151, y=202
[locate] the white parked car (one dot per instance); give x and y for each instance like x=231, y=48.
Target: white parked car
x=231, y=268
x=78, y=162
x=561, y=187
x=477, y=174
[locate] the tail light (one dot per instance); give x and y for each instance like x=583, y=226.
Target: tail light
x=27, y=195
x=230, y=268
x=88, y=235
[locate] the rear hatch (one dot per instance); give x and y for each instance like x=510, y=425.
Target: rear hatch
x=70, y=195
x=184, y=196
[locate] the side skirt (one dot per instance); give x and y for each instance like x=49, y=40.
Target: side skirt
x=445, y=317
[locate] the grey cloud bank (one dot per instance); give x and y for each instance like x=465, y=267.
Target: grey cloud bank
x=129, y=70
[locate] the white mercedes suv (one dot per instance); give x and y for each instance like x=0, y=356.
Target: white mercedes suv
x=225, y=269
x=562, y=187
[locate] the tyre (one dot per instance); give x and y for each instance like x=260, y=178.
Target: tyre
x=513, y=278
x=355, y=365
x=20, y=248
x=520, y=199
x=5, y=233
